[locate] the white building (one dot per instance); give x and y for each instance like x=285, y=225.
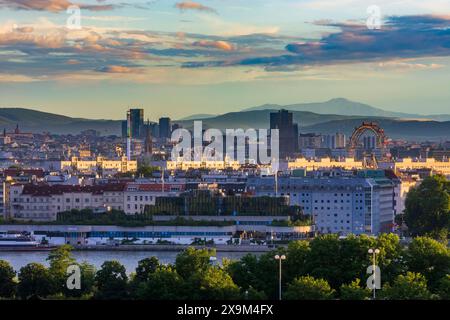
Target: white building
x=43, y=202
x=139, y=195
x=337, y=204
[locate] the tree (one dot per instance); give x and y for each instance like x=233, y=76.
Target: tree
x=296, y=257
x=412, y=286
x=444, y=288
x=35, y=280
x=212, y=284
x=309, y=288
x=391, y=257
x=111, y=281
x=253, y=294
x=192, y=261
x=427, y=208
x=146, y=268
x=7, y=284
x=430, y=258
x=354, y=291
x=325, y=261
x=147, y=171
x=87, y=272
x=244, y=272
x=353, y=259
x=162, y=284
x=267, y=273
x=60, y=259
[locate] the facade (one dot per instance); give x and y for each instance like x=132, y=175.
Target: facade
x=137, y=123
x=165, y=128
x=442, y=167
x=288, y=132
x=3, y=188
x=335, y=141
x=138, y=195
x=16, y=135
x=43, y=202
x=106, y=165
x=181, y=164
x=102, y=235
x=337, y=204
x=309, y=141
x=325, y=163
x=402, y=188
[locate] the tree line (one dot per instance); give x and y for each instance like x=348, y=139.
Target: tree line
x=325, y=268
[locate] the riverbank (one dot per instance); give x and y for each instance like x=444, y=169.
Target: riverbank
x=174, y=248
x=129, y=259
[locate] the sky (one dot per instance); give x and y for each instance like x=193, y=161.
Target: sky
x=97, y=58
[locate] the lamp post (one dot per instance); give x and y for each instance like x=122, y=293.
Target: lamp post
x=279, y=258
x=374, y=253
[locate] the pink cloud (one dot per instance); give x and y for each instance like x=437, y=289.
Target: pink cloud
x=191, y=5
x=50, y=5
x=221, y=45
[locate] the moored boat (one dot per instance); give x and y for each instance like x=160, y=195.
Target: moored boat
x=14, y=241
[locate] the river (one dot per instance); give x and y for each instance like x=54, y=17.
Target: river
x=128, y=258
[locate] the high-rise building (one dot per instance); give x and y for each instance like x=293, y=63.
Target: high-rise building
x=148, y=140
x=309, y=141
x=334, y=141
x=288, y=132
x=369, y=142
x=165, y=127
x=340, y=141
x=137, y=123
x=124, y=128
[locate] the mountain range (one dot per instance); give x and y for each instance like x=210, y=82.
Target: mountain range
x=38, y=122
x=336, y=115
x=347, y=107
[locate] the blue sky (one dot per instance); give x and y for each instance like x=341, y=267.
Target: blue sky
x=178, y=58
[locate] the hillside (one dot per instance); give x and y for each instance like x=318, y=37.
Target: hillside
x=37, y=121
x=261, y=119
x=398, y=129
x=198, y=116
x=329, y=124
x=346, y=107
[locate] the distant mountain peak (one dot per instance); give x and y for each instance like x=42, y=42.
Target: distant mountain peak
x=339, y=100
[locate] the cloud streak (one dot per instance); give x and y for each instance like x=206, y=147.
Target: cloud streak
x=220, y=45
x=400, y=37
x=50, y=5
x=191, y=5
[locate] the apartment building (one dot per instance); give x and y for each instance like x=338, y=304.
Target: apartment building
x=139, y=195
x=355, y=204
x=43, y=202
x=106, y=165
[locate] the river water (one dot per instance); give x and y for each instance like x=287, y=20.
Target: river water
x=128, y=258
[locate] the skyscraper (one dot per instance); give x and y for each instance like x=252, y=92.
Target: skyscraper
x=288, y=132
x=165, y=127
x=148, y=140
x=137, y=123
x=124, y=128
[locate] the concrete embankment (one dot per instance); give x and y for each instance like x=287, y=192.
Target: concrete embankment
x=164, y=247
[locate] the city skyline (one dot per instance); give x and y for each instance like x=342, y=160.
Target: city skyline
x=179, y=58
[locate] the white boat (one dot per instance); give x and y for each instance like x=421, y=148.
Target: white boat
x=15, y=241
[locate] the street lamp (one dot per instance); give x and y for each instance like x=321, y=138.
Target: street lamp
x=374, y=253
x=279, y=258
